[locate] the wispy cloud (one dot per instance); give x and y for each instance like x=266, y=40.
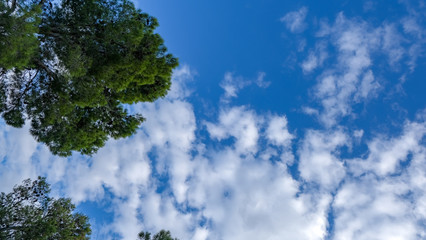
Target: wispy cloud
x=350, y=47
x=232, y=84
x=413, y=24
x=247, y=174
x=295, y=21
x=315, y=58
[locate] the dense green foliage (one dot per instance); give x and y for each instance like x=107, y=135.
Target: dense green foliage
x=29, y=213
x=69, y=67
x=161, y=235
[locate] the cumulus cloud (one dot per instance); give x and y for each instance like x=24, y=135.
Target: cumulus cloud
x=240, y=124
x=318, y=159
x=386, y=155
x=374, y=209
x=204, y=185
x=295, y=21
x=123, y=168
x=247, y=175
x=212, y=192
x=227, y=192
x=231, y=184
x=386, y=200
x=233, y=196
x=352, y=78
x=277, y=131
x=16, y=150
x=181, y=79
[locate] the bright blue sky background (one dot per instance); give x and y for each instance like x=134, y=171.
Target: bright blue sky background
x=245, y=37
x=286, y=120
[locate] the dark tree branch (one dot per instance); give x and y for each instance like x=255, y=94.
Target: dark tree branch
x=13, y=7
x=45, y=68
x=27, y=87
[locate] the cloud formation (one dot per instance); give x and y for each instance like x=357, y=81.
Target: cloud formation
x=386, y=199
x=295, y=21
x=232, y=84
x=246, y=174
x=243, y=189
x=349, y=76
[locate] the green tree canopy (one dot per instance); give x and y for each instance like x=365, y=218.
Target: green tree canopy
x=69, y=67
x=161, y=235
x=29, y=213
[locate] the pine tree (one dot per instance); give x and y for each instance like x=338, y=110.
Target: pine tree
x=161, y=235
x=29, y=213
x=69, y=69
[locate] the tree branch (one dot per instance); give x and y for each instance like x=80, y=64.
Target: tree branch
x=45, y=68
x=13, y=7
x=27, y=87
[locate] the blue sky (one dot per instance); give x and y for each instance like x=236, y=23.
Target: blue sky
x=295, y=120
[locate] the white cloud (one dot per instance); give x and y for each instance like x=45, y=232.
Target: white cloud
x=240, y=179
x=239, y=123
x=385, y=200
x=240, y=196
x=181, y=77
x=277, y=132
x=385, y=155
x=310, y=111
x=367, y=86
x=310, y=63
x=17, y=148
x=371, y=209
x=239, y=209
x=353, y=48
x=358, y=133
x=315, y=58
x=318, y=159
x=201, y=234
x=260, y=80
x=233, y=84
x=392, y=44
x=295, y=21
x=122, y=167
x=123, y=171
x=411, y=27
x=336, y=87
x=350, y=79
